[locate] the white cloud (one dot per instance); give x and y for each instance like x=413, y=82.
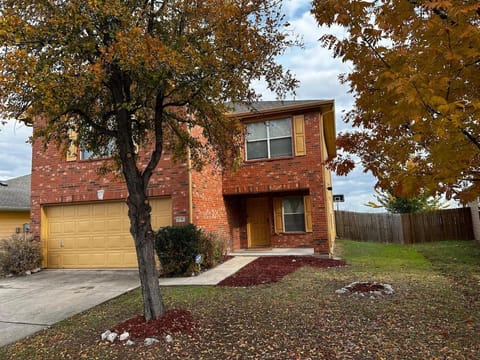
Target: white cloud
x=293, y=8
x=15, y=152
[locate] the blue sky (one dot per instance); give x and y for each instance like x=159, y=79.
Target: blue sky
x=313, y=66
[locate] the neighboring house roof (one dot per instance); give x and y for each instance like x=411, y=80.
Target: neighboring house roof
x=15, y=196
x=278, y=107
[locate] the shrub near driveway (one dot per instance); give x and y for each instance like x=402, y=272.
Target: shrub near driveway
x=429, y=316
x=19, y=254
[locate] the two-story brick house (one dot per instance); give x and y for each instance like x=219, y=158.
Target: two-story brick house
x=280, y=196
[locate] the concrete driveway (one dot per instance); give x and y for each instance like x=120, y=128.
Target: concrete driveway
x=31, y=303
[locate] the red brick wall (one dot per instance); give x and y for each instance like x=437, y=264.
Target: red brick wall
x=301, y=174
x=208, y=205
x=55, y=181
x=209, y=211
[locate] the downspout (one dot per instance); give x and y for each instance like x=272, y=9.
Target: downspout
x=190, y=188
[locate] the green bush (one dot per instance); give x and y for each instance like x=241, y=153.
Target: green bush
x=212, y=247
x=177, y=247
x=18, y=255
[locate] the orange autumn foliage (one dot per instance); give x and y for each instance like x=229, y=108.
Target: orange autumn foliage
x=415, y=80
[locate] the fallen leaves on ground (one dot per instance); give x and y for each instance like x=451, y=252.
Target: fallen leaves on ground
x=430, y=316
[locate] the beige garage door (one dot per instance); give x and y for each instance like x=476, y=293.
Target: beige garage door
x=96, y=235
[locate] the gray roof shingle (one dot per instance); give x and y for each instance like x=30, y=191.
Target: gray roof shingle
x=15, y=196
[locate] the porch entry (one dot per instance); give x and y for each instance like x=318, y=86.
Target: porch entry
x=258, y=222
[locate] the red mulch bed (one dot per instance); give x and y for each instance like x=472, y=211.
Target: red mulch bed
x=269, y=269
x=172, y=321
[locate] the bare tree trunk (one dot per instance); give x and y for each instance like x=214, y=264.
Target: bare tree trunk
x=153, y=306
x=141, y=229
x=137, y=182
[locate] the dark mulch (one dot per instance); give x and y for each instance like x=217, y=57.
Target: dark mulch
x=270, y=269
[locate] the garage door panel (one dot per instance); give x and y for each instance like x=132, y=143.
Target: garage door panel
x=85, y=243
x=53, y=260
x=69, y=259
x=68, y=212
x=99, y=210
x=83, y=211
x=98, y=226
x=68, y=226
x=131, y=257
x=55, y=228
x=84, y=226
x=96, y=234
x=70, y=243
x=113, y=226
x=113, y=210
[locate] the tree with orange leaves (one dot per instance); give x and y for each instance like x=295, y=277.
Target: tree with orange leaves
x=123, y=74
x=416, y=82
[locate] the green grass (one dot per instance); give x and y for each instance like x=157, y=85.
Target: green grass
x=455, y=258
x=382, y=257
x=434, y=313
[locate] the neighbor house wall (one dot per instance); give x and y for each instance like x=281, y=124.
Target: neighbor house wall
x=11, y=220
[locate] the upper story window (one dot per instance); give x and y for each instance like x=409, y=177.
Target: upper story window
x=100, y=153
x=269, y=139
x=85, y=154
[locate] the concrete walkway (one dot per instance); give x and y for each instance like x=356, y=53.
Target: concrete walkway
x=212, y=276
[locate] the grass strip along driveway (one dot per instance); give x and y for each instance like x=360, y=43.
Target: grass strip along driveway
x=434, y=313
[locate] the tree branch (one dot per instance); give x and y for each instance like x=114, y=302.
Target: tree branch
x=158, y=133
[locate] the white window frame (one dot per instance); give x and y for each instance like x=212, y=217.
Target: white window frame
x=296, y=213
x=268, y=139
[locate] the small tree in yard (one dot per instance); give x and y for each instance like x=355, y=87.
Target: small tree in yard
x=123, y=74
x=402, y=205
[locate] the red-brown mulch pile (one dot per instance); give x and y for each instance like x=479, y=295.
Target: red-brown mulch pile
x=172, y=321
x=367, y=287
x=269, y=269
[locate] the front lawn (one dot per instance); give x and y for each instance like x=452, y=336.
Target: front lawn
x=433, y=314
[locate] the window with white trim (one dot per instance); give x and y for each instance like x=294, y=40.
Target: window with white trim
x=293, y=213
x=269, y=139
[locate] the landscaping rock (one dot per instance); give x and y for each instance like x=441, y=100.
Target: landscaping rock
x=105, y=335
x=129, y=343
x=150, y=341
x=124, y=336
x=112, y=336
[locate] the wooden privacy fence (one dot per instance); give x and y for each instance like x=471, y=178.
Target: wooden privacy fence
x=451, y=224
